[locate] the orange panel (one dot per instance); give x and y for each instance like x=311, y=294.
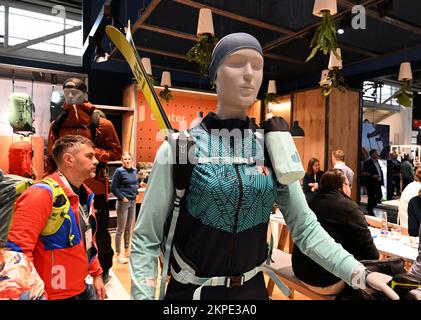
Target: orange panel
x=181, y=111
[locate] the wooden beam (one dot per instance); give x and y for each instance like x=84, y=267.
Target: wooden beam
x=151, y=7
x=282, y=58
x=169, y=32
x=358, y=50
x=237, y=17
x=285, y=39
x=162, y=53
x=393, y=21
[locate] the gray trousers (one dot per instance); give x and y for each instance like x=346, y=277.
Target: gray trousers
x=125, y=218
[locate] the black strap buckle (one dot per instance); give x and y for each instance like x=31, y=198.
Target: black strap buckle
x=234, y=281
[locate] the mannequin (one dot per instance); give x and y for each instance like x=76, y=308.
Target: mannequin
x=76, y=119
x=222, y=227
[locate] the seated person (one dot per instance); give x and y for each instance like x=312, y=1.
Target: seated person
x=312, y=178
x=414, y=215
x=345, y=222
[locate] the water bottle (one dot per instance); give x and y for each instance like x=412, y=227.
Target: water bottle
x=384, y=230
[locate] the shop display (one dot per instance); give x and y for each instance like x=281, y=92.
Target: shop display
x=20, y=159
x=21, y=111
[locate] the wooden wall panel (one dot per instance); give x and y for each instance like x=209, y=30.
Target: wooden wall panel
x=128, y=141
x=308, y=107
x=254, y=111
x=284, y=109
x=344, y=127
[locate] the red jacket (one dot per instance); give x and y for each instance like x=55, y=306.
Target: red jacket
x=63, y=268
x=108, y=146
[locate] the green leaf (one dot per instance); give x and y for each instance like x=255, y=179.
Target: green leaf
x=324, y=38
x=313, y=53
x=201, y=52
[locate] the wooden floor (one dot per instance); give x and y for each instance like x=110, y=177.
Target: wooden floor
x=122, y=272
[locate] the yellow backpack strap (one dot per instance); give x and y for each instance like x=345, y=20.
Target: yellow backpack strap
x=60, y=210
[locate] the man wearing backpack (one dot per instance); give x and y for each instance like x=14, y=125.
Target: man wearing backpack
x=82, y=118
x=67, y=253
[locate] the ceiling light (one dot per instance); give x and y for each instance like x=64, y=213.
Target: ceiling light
x=341, y=31
x=296, y=131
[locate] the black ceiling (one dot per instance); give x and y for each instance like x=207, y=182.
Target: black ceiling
x=164, y=30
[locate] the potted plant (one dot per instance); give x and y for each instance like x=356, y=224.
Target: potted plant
x=201, y=52
x=165, y=94
x=404, y=96
x=333, y=79
x=324, y=38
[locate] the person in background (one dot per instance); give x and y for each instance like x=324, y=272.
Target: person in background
x=408, y=193
x=345, y=222
x=407, y=171
x=338, y=161
x=312, y=177
x=414, y=215
x=64, y=259
x=124, y=186
x=394, y=176
x=374, y=181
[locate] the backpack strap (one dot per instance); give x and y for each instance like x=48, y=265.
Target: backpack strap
x=94, y=123
x=58, y=123
x=60, y=209
x=183, y=145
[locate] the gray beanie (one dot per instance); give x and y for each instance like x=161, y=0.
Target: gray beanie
x=229, y=44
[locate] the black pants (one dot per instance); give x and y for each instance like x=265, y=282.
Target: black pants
x=374, y=193
x=103, y=238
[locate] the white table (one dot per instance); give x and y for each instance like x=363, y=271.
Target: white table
x=393, y=247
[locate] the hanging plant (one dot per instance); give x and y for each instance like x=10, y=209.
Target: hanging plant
x=201, y=52
x=269, y=97
x=165, y=95
x=152, y=80
x=334, y=79
x=325, y=37
x=404, y=96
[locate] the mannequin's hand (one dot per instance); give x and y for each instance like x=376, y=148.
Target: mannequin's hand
x=378, y=281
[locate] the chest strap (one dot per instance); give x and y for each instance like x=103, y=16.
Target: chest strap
x=187, y=276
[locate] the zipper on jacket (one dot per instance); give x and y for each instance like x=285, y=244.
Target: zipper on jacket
x=237, y=211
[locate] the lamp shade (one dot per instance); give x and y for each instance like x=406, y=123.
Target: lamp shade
x=147, y=65
x=272, y=86
x=166, y=79
x=205, y=24
x=296, y=131
x=334, y=62
x=322, y=5
x=405, y=72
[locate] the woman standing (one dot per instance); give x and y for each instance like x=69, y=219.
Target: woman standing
x=312, y=178
x=124, y=186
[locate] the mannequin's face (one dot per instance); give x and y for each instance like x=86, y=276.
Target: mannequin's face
x=238, y=79
x=74, y=96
